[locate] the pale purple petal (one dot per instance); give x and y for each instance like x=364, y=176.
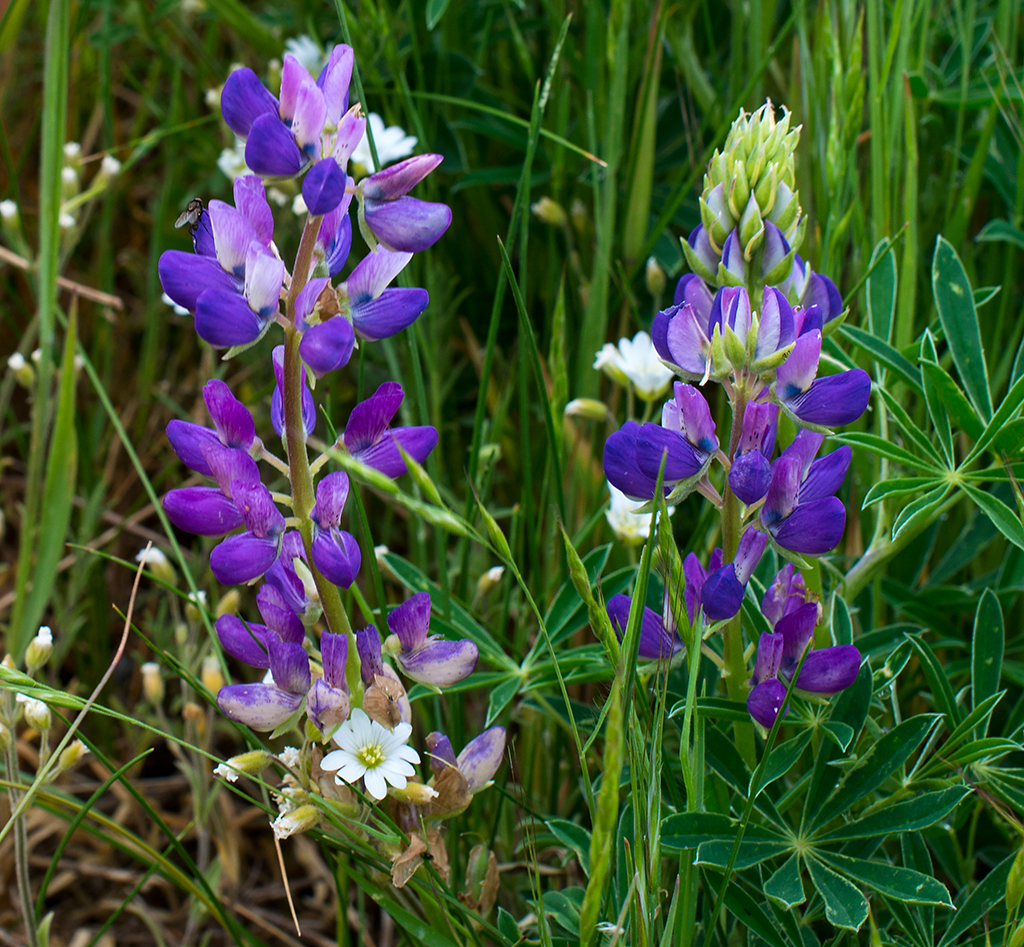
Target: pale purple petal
x=693, y=290
x=244, y=99
x=774, y=249
x=246, y=641
x=481, y=757
x=794, y=376
x=334, y=654
x=411, y=621
x=373, y=272
x=350, y=132
x=293, y=77
x=370, y=418
x=251, y=200
x=334, y=80
x=234, y=424
x=781, y=497
x=700, y=243
x=807, y=320
x=204, y=511
x=331, y=494
x=697, y=423
x=306, y=301
x=400, y=178
x=264, y=273
x=686, y=342
x=776, y=328
x=326, y=705
x=271, y=149
x=440, y=663
x=310, y=116
x=232, y=233
x=407, y=224
x=289, y=665
x=439, y=749
x=260, y=706
x=821, y=291
x=732, y=257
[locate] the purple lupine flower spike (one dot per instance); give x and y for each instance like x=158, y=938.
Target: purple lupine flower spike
x=234, y=424
x=334, y=80
x=776, y=326
x=246, y=556
x=442, y=756
x=831, y=401
x=378, y=312
x=751, y=471
x=656, y=641
x=427, y=658
x=328, y=699
x=621, y=467
x=335, y=552
x=369, y=440
x=334, y=239
x=481, y=757
x=400, y=222
x=371, y=661
x=277, y=399
x=260, y=706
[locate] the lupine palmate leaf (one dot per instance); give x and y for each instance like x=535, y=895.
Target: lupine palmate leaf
x=1003, y=518
x=913, y=433
x=987, y=644
x=935, y=404
x=844, y=904
x=898, y=487
x=880, y=290
x=885, y=354
x=751, y=852
x=913, y=814
x=884, y=448
x=963, y=416
x=784, y=888
x=903, y=884
x=574, y=837
x=942, y=693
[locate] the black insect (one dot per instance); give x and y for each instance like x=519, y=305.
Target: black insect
x=191, y=215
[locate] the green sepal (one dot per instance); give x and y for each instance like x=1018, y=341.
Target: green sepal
x=735, y=351
x=725, y=278
x=695, y=264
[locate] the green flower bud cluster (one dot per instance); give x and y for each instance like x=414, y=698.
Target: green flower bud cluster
x=752, y=180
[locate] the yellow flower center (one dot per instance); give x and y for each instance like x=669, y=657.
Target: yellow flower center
x=370, y=756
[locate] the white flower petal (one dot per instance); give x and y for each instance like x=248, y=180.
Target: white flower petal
x=352, y=772
x=375, y=784
x=396, y=779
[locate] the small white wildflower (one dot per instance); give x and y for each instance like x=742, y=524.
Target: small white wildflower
x=226, y=772
x=212, y=98
x=193, y=7
x=296, y=820
x=369, y=752
x=635, y=360
x=37, y=355
x=630, y=527
x=178, y=310
x=278, y=197
x=232, y=161
x=72, y=150
x=197, y=598
x=36, y=713
x=392, y=143
x=66, y=221
x=110, y=166
x=289, y=756
x=308, y=52
x=250, y=763
x=8, y=210
x=16, y=362
x=299, y=206
x=151, y=556
x=69, y=175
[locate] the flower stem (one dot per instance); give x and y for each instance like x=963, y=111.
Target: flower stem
x=735, y=671
x=21, y=867
x=299, y=473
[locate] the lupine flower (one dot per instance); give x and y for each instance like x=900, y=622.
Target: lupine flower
x=428, y=658
x=391, y=143
x=367, y=751
x=634, y=361
x=328, y=701
x=368, y=438
x=378, y=312
x=629, y=526
x=825, y=671
x=335, y=552
x=233, y=427
x=250, y=642
x=800, y=510
x=820, y=402
x=277, y=399
x=721, y=593
x=246, y=556
x=658, y=638
x=334, y=238
x=808, y=288
x=787, y=593
x=398, y=221
x=378, y=675
x=326, y=345
x=283, y=585
x=478, y=761
x=264, y=706
x=213, y=511
x=621, y=466
x=751, y=471
x=686, y=435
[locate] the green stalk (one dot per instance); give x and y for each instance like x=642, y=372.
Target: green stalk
x=879, y=173
x=21, y=866
x=298, y=460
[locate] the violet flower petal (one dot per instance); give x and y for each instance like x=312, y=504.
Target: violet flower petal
x=259, y=706
x=765, y=701
x=812, y=528
x=796, y=629
x=310, y=116
x=248, y=642
x=696, y=576
x=399, y=179
x=251, y=200
x=185, y=276
x=682, y=459
x=722, y=594
x=388, y=314
x=331, y=494
x=323, y=187
x=289, y=664
x=384, y=456
x=336, y=554
x=693, y=290
x=241, y=558
x=264, y=274
x=440, y=663
x=410, y=621
x=776, y=328
x=334, y=80
x=481, y=757
x=259, y=513
x=271, y=150
x=829, y=670
x=190, y=442
x=794, y=376
x=656, y=642
x=407, y=224
x=750, y=476
x=373, y=272
x=748, y=554
x=204, y=511
x=307, y=299
x=328, y=346
x=278, y=616
x=620, y=463
x=369, y=419
x=371, y=663
x=334, y=655
x=224, y=319
x=781, y=497
x=769, y=657
x=686, y=341
x=228, y=464
x=232, y=233
x=825, y=475
x=834, y=400
x=439, y=749
x=244, y=99
x=326, y=705
x=234, y=424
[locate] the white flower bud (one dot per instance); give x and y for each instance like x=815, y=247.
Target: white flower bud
x=66, y=221
x=655, y=277
x=37, y=714
x=299, y=206
x=71, y=756
x=290, y=757
x=8, y=210
x=39, y=649
x=152, y=683
x=156, y=562
x=110, y=167
x=297, y=820
x=549, y=212
x=245, y=764
x=212, y=98
x=491, y=578
x=23, y=372
x=211, y=675
x=589, y=408
x=72, y=151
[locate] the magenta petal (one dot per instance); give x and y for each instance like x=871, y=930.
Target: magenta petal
x=336, y=554
x=369, y=419
x=244, y=99
x=242, y=558
x=825, y=475
x=185, y=276
x=829, y=670
x=190, y=442
x=440, y=663
x=407, y=224
x=224, y=319
x=334, y=654
x=323, y=187
x=765, y=701
x=327, y=346
x=750, y=476
x=722, y=594
x=251, y=200
x=411, y=621
x=271, y=149
x=260, y=706
x=481, y=757
x=620, y=464
x=399, y=179
x=247, y=642
x=234, y=424
x=796, y=629
x=834, y=400
x=289, y=664
x=812, y=528
x=439, y=749
x=204, y=511
x=370, y=661
x=388, y=314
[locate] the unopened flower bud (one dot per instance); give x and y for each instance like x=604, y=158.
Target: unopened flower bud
x=9, y=212
x=589, y=408
x=655, y=277
x=152, y=683
x=417, y=794
x=8, y=662
x=70, y=756
x=69, y=185
x=246, y=764
x=37, y=714
x=23, y=372
x=196, y=601
x=157, y=563
x=299, y=819
x=549, y=212
x=39, y=649
x=1017, y=940
x=489, y=454
x=229, y=603
x=66, y=221
x=110, y=167
x=489, y=580
x=180, y=633
x=72, y=153
x=211, y=675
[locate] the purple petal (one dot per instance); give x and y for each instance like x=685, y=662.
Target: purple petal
x=732, y=257
x=775, y=247
x=293, y=77
x=441, y=663
x=807, y=320
x=787, y=593
x=765, y=701
x=656, y=642
x=384, y=456
x=224, y=319
x=327, y=346
x=323, y=187
x=620, y=464
x=693, y=290
x=289, y=664
x=439, y=749
x=759, y=428
x=686, y=340
x=795, y=375
x=834, y=400
x=232, y=233
x=696, y=576
x=351, y=130
x=370, y=418
x=248, y=642
x=278, y=616
x=336, y=554
x=261, y=517
x=722, y=594
x=234, y=424
x=338, y=240
x=804, y=447
x=769, y=657
x=190, y=442
x=825, y=475
x=277, y=401
x=735, y=310
x=242, y=558
x=682, y=459
x=694, y=417
x=185, y=276
x=388, y=314
x=700, y=243
x=821, y=291
x=204, y=511
x=264, y=274
x=829, y=670
x=271, y=149
x=259, y=706
x=481, y=757
x=776, y=328
x=812, y=528
x=281, y=575
x=407, y=224
x=399, y=179
x=331, y=494
x=334, y=80
x=334, y=654
x=228, y=464
x=251, y=200
x=796, y=629
x=781, y=497
x=202, y=237
x=659, y=332
x=373, y=272
x=370, y=661
x=411, y=621
x=244, y=99
x=310, y=116
x=748, y=555
x=750, y=476
x=307, y=299
x=326, y=705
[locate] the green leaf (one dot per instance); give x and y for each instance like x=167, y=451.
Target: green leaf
x=435, y=10
x=749, y=913
x=1010, y=406
x=885, y=354
x=895, y=662
x=934, y=403
x=1003, y=518
x=844, y=904
x=917, y=813
x=988, y=893
x=508, y=927
x=954, y=301
x=954, y=400
x=903, y=884
x=784, y=888
x=575, y=837
x=876, y=765
x=884, y=448
x=942, y=693
x=501, y=695
x=922, y=510
x=908, y=427
x=880, y=289
x=839, y=733
x=840, y=621
x=751, y=852
x=1002, y=231
x=985, y=294
x=784, y=758
x=898, y=487
x=986, y=650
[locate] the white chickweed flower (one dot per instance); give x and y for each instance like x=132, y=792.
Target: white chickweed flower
x=299, y=206
x=295, y=820
x=232, y=160
x=66, y=221
x=39, y=649
x=392, y=143
x=8, y=210
x=630, y=527
x=68, y=175
x=370, y=752
x=110, y=166
x=289, y=756
x=635, y=361
x=72, y=150
x=157, y=562
x=37, y=713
